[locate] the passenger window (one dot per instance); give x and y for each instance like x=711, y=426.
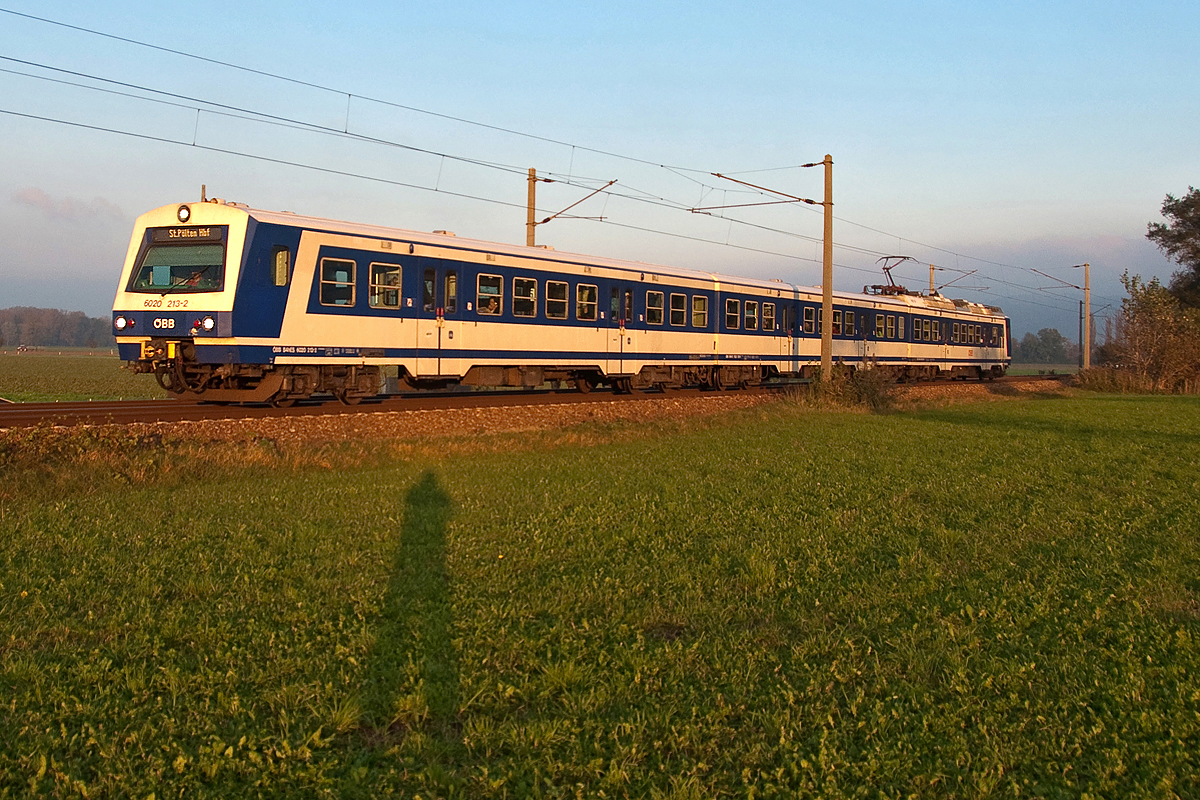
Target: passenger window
x=732, y=314
x=614, y=303
x=699, y=311
x=810, y=315
x=679, y=309
x=428, y=297
x=899, y=327
x=489, y=295
x=654, y=308
x=556, y=299
x=628, y=306
x=385, y=286
x=451, y=292
x=891, y=327
x=879, y=326
x=768, y=317
x=524, y=297
x=337, y=282
x=954, y=333
x=281, y=259
x=848, y=323
x=837, y=323
x=751, y=318
x=586, y=299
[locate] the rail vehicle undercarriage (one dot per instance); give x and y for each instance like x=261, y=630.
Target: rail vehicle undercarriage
x=174, y=365
x=176, y=369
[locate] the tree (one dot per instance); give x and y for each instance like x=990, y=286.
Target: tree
x=1179, y=240
x=1157, y=338
x=1047, y=346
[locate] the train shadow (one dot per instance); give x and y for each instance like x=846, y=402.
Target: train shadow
x=412, y=672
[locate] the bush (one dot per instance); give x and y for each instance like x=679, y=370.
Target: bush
x=873, y=388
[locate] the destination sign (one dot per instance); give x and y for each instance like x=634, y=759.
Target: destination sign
x=209, y=233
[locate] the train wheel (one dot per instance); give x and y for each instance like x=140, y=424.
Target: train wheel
x=717, y=380
x=345, y=398
x=584, y=384
x=283, y=402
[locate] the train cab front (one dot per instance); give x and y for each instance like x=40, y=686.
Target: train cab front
x=173, y=312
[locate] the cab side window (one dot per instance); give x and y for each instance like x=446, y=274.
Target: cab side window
x=281, y=265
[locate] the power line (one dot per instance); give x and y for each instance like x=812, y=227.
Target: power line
x=388, y=181
x=677, y=170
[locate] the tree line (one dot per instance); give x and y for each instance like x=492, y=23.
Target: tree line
x=49, y=327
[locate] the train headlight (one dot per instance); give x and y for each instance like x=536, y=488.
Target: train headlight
x=120, y=323
x=183, y=214
x=208, y=323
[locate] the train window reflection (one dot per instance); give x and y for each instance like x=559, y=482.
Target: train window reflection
x=586, y=299
x=385, y=286
x=654, y=308
x=489, y=296
x=556, y=299
x=679, y=309
x=337, y=282
x=732, y=314
x=524, y=297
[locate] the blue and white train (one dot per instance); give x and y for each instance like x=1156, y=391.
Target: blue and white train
x=230, y=304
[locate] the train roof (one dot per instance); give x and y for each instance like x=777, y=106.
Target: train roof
x=914, y=302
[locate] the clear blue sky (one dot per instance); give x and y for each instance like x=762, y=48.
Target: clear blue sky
x=1001, y=137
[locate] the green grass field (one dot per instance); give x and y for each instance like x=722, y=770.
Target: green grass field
x=992, y=600
x=47, y=375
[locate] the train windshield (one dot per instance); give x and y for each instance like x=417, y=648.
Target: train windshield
x=176, y=268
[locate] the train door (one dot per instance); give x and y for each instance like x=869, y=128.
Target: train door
x=439, y=321
x=868, y=336
x=786, y=335
x=621, y=341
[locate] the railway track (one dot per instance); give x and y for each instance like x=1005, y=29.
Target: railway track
x=103, y=412
x=17, y=415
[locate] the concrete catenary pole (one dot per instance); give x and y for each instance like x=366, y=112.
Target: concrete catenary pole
x=827, y=278
x=1087, y=316
x=530, y=224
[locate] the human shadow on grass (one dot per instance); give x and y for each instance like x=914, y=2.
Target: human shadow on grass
x=412, y=674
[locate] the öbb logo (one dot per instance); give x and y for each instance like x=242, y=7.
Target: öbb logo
x=160, y=322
